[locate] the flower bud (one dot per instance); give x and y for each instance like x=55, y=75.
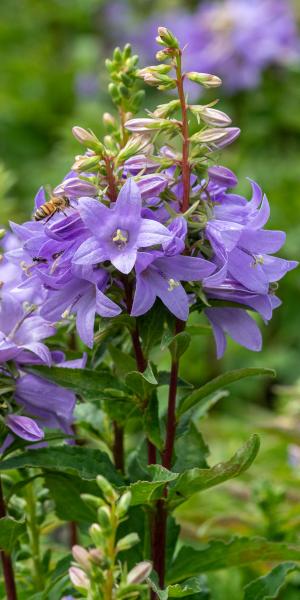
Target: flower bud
x=81, y=556
x=222, y=176
x=87, y=139
x=104, y=517
x=135, y=145
x=79, y=579
x=85, y=163
x=127, y=542
x=167, y=38
x=140, y=162
x=162, y=55
x=217, y=137
x=96, y=534
x=165, y=110
x=147, y=124
x=24, y=427
x=93, y=501
x=77, y=188
x=109, y=120
x=205, y=79
x=140, y=572
x=212, y=116
x=107, y=490
x=96, y=556
x=123, y=504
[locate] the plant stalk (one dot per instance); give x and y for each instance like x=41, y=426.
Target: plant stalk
x=185, y=135
x=8, y=572
x=118, y=447
x=34, y=538
x=159, y=530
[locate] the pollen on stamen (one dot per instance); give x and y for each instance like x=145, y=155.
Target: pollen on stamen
x=172, y=284
x=120, y=238
x=258, y=260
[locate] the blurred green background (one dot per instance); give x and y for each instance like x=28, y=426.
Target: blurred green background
x=52, y=77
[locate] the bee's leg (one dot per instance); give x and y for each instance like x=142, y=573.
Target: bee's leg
x=50, y=217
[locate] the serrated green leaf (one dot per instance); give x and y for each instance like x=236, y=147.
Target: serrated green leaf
x=90, y=384
x=141, y=384
x=194, y=585
x=10, y=531
x=196, y=480
x=219, y=382
x=190, y=449
x=217, y=554
x=268, y=586
x=86, y=463
x=123, y=363
x=146, y=492
x=65, y=491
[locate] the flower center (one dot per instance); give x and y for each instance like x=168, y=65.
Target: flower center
x=120, y=238
x=172, y=284
x=258, y=260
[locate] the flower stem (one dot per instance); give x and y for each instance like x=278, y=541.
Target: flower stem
x=159, y=532
x=8, y=572
x=112, y=189
x=34, y=537
x=185, y=135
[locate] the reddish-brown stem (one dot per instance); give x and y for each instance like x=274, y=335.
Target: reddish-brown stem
x=161, y=515
x=159, y=528
x=185, y=136
x=112, y=190
x=118, y=447
x=171, y=418
x=8, y=572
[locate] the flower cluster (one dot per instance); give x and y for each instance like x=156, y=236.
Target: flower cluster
x=133, y=222
x=237, y=39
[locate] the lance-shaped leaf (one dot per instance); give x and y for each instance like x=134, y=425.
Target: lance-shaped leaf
x=177, y=344
x=90, y=384
x=196, y=480
x=10, y=531
x=219, y=382
x=192, y=586
x=123, y=363
x=141, y=384
x=146, y=492
x=217, y=554
x=87, y=463
x=151, y=422
x=268, y=586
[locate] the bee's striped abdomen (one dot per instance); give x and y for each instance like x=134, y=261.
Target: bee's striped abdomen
x=44, y=211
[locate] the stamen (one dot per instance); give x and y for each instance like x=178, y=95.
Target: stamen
x=172, y=284
x=258, y=260
x=120, y=238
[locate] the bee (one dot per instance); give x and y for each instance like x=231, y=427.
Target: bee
x=54, y=205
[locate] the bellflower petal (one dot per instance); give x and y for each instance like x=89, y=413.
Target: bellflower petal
x=237, y=324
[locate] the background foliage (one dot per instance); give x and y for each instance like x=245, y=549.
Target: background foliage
x=50, y=79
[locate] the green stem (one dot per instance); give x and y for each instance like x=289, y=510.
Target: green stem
x=111, y=555
x=34, y=537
